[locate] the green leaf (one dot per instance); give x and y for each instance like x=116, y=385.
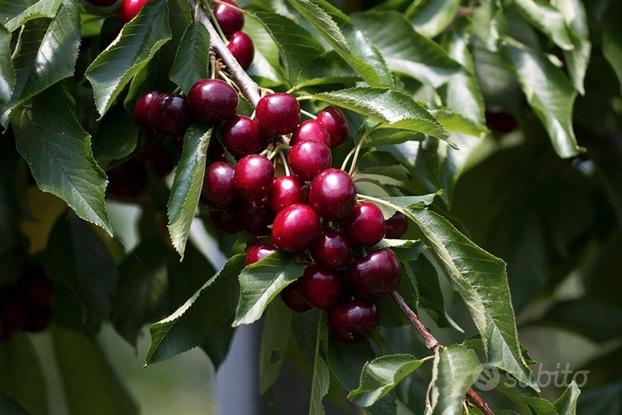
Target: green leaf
x=296, y=45
x=15, y=13
x=481, y=280
x=261, y=282
x=116, y=137
x=380, y=376
x=21, y=376
x=275, y=333
x=10, y=407
x=78, y=359
x=431, y=17
x=186, y=189
x=550, y=94
x=406, y=51
x=456, y=368
x=454, y=122
x=46, y=53
x=548, y=19
x=266, y=66
x=59, y=154
x=578, y=58
x=393, y=109
x=327, y=68
x=209, y=309
x=7, y=74
x=192, y=59
x=567, y=403
x=320, y=378
x=138, y=42
x=612, y=38
x=597, y=321
x=351, y=44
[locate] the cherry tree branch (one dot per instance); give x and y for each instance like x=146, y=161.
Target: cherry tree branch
x=249, y=88
x=432, y=344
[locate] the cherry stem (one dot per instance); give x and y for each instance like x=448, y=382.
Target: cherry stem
x=432, y=344
x=285, y=163
x=249, y=88
x=308, y=114
x=357, y=150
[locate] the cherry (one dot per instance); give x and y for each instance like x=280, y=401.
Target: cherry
x=169, y=116
x=353, y=321
x=500, y=122
x=229, y=19
x=321, y=288
x=36, y=287
x=375, y=275
x=218, y=185
x=212, y=100
x=332, y=250
x=332, y=194
x=142, y=107
x=253, y=176
x=333, y=120
x=286, y=191
x=366, y=225
x=396, y=225
x=129, y=9
x=310, y=130
x=256, y=215
x=127, y=180
x=241, y=47
x=258, y=252
x=158, y=159
x=225, y=220
x=278, y=114
x=242, y=136
x=295, y=228
x=308, y=158
x=293, y=298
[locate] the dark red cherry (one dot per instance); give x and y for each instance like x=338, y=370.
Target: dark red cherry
x=256, y=215
x=127, y=180
x=353, y=321
x=241, y=47
x=218, y=185
x=293, y=298
x=396, y=225
x=242, y=136
x=37, y=319
x=158, y=159
x=295, y=228
x=226, y=220
x=258, y=252
x=321, y=288
x=169, y=116
x=286, y=191
x=500, y=122
x=308, y=158
x=212, y=100
x=310, y=130
x=36, y=287
x=332, y=194
x=333, y=120
x=375, y=275
x=142, y=108
x=331, y=250
x=229, y=19
x=366, y=225
x=129, y=9
x=278, y=114
x=254, y=175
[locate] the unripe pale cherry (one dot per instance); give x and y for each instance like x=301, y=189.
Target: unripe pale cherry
x=321, y=288
x=241, y=47
x=310, y=130
x=333, y=120
x=229, y=19
x=375, y=275
x=332, y=250
x=353, y=321
x=295, y=228
x=332, y=194
x=309, y=158
x=212, y=100
x=258, y=252
x=218, y=185
x=366, y=225
x=286, y=191
x=278, y=114
x=254, y=175
x=242, y=136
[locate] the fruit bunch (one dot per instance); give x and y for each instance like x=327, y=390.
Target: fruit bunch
x=27, y=304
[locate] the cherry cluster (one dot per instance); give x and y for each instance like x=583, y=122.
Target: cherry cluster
x=27, y=304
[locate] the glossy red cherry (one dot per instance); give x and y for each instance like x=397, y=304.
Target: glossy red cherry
x=142, y=107
x=229, y=19
x=286, y=191
x=331, y=250
x=310, y=130
x=278, y=114
x=375, y=275
x=212, y=100
x=169, y=116
x=332, y=194
x=218, y=185
x=320, y=287
x=353, y=321
x=256, y=215
x=226, y=220
x=241, y=47
x=127, y=180
x=396, y=225
x=295, y=228
x=258, y=252
x=129, y=9
x=254, y=175
x=366, y=225
x=308, y=158
x=293, y=298
x=333, y=120
x=242, y=136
